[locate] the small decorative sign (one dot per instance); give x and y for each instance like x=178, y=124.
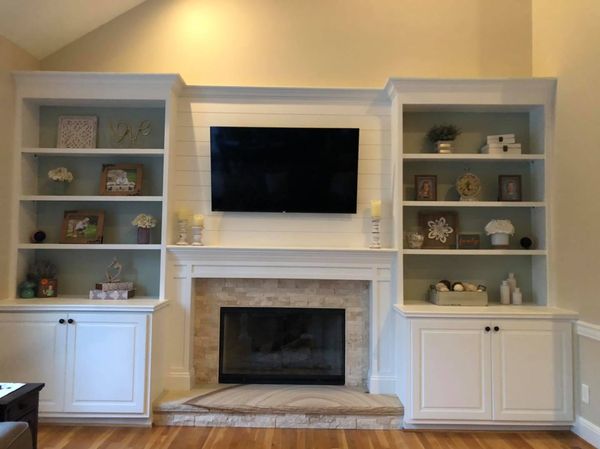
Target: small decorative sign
x=469, y=241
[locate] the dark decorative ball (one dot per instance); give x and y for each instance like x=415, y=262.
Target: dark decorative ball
x=526, y=243
x=38, y=237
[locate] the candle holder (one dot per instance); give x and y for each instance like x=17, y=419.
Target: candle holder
x=182, y=229
x=197, y=235
x=375, y=237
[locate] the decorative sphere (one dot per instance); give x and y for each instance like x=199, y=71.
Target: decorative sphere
x=526, y=242
x=458, y=287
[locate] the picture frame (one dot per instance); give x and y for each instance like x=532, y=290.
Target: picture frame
x=468, y=241
x=425, y=187
x=82, y=226
x=77, y=131
x=440, y=229
x=509, y=188
x=121, y=179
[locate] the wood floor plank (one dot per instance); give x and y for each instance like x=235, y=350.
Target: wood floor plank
x=80, y=437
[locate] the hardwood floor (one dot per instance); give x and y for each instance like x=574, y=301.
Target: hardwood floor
x=62, y=437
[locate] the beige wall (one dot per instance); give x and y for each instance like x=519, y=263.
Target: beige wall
x=565, y=44
x=11, y=58
x=309, y=43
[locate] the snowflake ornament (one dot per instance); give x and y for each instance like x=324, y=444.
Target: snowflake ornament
x=439, y=230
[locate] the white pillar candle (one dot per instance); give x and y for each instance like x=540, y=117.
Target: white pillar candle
x=376, y=208
x=183, y=214
x=198, y=220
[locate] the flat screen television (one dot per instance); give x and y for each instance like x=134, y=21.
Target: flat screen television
x=313, y=170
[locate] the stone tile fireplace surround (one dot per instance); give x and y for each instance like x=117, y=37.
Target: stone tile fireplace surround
x=202, y=278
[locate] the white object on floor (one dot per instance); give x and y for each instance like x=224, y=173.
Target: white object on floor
x=7, y=388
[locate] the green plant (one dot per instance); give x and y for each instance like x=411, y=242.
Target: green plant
x=443, y=132
x=42, y=269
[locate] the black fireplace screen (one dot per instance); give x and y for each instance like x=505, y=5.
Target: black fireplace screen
x=282, y=345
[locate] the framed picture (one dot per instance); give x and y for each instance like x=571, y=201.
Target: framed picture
x=77, y=131
x=83, y=226
x=425, y=187
x=509, y=188
x=469, y=241
x=121, y=179
x=439, y=228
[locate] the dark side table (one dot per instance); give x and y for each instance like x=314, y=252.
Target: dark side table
x=22, y=405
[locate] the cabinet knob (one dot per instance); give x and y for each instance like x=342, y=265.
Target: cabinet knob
x=487, y=328
x=61, y=321
x=496, y=328
x=70, y=321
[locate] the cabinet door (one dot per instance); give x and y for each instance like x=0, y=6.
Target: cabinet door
x=451, y=369
x=532, y=366
x=106, y=363
x=33, y=349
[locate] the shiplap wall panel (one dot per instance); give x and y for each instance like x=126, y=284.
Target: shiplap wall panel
x=192, y=171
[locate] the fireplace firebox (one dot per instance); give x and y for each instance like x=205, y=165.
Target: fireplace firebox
x=282, y=345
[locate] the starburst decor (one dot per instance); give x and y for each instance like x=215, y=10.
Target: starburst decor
x=439, y=229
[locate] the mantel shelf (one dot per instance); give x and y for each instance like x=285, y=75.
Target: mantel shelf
x=94, y=151
x=191, y=248
x=90, y=246
x=532, y=204
x=475, y=252
x=104, y=198
x=471, y=157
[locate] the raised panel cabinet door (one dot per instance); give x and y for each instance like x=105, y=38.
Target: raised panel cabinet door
x=451, y=369
x=33, y=349
x=106, y=363
x=532, y=366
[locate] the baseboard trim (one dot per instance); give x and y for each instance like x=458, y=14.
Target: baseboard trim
x=382, y=384
x=114, y=422
x=589, y=330
x=178, y=380
x=587, y=430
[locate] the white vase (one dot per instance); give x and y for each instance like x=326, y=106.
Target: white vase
x=500, y=240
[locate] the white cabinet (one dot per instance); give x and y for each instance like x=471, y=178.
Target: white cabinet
x=106, y=358
x=90, y=362
x=532, y=371
x=454, y=362
x=32, y=349
x=493, y=370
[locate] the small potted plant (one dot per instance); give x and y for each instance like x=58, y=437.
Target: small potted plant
x=443, y=137
x=500, y=232
x=43, y=273
x=61, y=178
x=144, y=223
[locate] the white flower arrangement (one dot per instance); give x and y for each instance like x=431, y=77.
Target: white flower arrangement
x=60, y=174
x=144, y=221
x=500, y=227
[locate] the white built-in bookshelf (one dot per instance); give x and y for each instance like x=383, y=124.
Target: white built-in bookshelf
x=479, y=108
x=41, y=99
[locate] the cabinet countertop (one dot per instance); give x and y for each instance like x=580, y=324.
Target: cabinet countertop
x=81, y=304
x=422, y=309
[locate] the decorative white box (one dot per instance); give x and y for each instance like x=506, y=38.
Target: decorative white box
x=501, y=139
x=458, y=298
x=112, y=294
x=508, y=148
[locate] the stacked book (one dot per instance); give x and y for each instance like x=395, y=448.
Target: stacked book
x=501, y=144
x=113, y=290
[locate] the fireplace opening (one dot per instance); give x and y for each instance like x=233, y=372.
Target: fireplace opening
x=282, y=345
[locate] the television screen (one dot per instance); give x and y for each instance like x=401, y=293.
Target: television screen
x=284, y=169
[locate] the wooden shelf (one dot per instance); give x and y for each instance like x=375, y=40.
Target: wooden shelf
x=105, y=198
x=520, y=204
x=94, y=151
x=84, y=246
x=474, y=252
x=472, y=157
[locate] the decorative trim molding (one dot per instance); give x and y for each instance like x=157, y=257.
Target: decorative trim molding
x=589, y=330
x=587, y=430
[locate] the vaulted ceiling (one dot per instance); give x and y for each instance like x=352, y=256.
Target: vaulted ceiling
x=44, y=26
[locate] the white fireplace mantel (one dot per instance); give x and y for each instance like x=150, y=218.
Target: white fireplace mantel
x=186, y=263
